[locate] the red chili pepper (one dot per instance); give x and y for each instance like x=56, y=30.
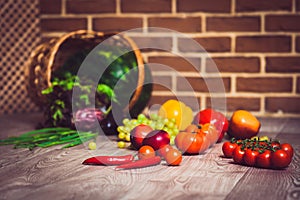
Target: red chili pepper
x=108, y=160
x=140, y=163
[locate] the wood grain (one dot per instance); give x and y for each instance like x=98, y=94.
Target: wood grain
x=55, y=173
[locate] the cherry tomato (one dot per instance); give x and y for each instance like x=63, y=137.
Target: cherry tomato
x=173, y=157
x=288, y=149
x=164, y=150
x=228, y=148
x=250, y=157
x=275, y=145
x=263, y=159
x=238, y=155
x=280, y=159
x=146, y=152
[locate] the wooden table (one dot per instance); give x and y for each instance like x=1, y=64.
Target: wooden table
x=55, y=173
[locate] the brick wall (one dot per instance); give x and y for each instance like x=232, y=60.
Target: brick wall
x=254, y=43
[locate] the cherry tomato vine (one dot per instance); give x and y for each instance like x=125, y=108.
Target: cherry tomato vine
x=269, y=154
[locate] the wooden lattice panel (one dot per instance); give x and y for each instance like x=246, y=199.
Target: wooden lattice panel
x=19, y=35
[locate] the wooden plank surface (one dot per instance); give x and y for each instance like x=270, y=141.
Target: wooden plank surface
x=55, y=173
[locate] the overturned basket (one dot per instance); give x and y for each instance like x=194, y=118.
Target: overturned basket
x=50, y=56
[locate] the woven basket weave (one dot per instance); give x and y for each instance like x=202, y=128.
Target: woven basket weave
x=49, y=56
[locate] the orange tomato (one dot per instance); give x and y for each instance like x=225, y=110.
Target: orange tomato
x=146, y=152
x=205, y=144
x=193, y=128
x=173, y=157
x=189, y=143
x=211, y=133
x=243, y=125
x=164, y=150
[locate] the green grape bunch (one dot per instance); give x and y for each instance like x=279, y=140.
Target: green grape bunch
x=155, y=121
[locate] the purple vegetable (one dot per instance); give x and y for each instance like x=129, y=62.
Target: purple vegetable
x=88, y=118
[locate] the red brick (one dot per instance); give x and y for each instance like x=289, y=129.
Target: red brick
x=176, y=63
x=146, y=6
x=298, y=85
x=228, y=24
x=282, y=23
x=153, y=43
x=90, y=6
x=213, y=6
x=162, y=83
x=180, y=24
x=211, y=85
x=298, y=44
x=284, y=104
x=50, y=7
x=159, y=100
x=236, y=103
x=283, y=64
x=265, y=5
x=298, y=5
x=209, y=44
x=116, y=24
x=263, y=44
x=264, y=84
x=233, y=64
x=63, y=24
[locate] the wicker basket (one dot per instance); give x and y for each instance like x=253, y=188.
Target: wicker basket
x=49, y=57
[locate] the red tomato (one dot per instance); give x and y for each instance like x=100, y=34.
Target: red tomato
x=213, y=117
x=263, y=159
x=280, y=159
x=288, y=149
x=146, y=152
x=173, y=157
x=238, y=155
x=228, y=149
x=250, y=157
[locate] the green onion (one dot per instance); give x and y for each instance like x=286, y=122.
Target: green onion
x=47, y=137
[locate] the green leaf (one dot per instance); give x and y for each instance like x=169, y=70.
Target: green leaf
x=57, y=115
x=85, y=98
x=105, y=89
x=47, y=90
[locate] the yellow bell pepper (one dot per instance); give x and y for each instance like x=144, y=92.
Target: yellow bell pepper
x=177, y=110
